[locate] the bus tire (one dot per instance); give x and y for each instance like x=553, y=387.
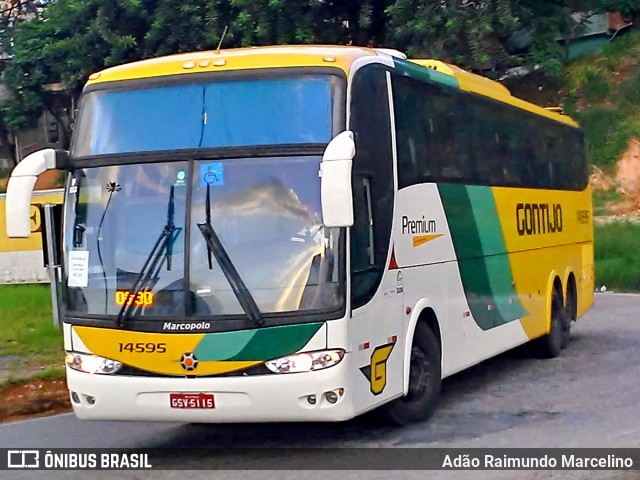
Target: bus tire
x=570, y=312
x=550, y=345
x=425, y=378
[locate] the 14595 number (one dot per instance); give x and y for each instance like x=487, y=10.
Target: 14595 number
x=143, y=347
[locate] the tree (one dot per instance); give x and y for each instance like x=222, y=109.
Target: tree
x=467, y=32
x=77, y=37
x=176, y=26
x=74, y=38
x=11, y=13
x=65, y=46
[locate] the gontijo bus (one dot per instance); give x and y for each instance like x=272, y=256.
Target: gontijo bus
x=307, y=233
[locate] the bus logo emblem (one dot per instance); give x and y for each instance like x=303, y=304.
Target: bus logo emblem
x=422, y=239
x=189, y=361
x=423, y=230
x=376, y=371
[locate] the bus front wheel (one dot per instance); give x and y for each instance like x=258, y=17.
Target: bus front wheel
x=425, y=377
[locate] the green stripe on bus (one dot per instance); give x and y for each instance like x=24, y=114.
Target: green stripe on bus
x=418, y=71
x=468, y=248
x=223, y=345
x=485, y=213
x=255, y=345
x=479, y=245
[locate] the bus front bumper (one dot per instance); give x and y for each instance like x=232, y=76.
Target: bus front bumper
x=258, y=398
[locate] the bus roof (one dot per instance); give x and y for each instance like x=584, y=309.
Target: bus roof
x=341, y=57
x=236, y=59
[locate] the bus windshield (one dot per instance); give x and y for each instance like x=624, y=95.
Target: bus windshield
x=135, y=237
x=231, y=113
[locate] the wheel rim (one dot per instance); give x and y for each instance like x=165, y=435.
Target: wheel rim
x=419, y=375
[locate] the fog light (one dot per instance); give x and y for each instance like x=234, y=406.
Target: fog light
x=333, y=396
x=311, y=399
x=90, y=400
x=75, y=398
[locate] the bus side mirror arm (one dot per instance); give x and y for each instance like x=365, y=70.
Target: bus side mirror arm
x=21, y=183
x=335, y=184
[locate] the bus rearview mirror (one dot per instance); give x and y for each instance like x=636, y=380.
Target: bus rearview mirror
x=20, y=187
x=335, y=184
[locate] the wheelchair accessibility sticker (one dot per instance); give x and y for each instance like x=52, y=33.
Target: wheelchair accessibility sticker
x=211, y=174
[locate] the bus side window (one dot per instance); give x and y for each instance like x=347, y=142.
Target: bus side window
x=363, y=266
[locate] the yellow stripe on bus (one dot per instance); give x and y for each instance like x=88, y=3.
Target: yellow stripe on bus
x=544, y=229
x=153, y=352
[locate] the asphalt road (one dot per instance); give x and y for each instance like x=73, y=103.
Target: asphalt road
x=588, y=397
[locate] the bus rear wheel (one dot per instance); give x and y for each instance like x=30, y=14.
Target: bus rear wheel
x=425, y=378
x=550, y=345
x=570, y=312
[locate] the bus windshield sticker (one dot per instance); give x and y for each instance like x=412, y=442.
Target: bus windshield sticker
x=212, y=174
x=78, y=268
x=181, y=177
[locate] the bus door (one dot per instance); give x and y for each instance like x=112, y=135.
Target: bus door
x=376, y=290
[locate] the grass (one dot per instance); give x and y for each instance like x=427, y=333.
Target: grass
x=602, y=198
x=26, y=324
x=54, y=373
x=617, y=256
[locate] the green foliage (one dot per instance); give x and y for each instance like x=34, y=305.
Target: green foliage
x=51, y=374
x=604, y=89
x=601, y=200
x=590, y=77
x=77, y=37
x=617, y=256
x=178, y=26
x=607, y=130
x=264, y=22
x=591, y=81
x=26, y=325
x=73, y=38
x=546, y=55
x=472, y=34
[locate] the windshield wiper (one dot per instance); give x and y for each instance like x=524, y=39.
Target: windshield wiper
x=154, y=261
x=240, y=290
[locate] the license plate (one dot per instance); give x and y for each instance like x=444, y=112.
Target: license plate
x=191, y=400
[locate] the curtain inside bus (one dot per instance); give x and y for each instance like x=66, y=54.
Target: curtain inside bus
x=271, y=111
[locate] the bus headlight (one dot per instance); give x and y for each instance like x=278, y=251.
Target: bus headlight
x=305, y=362
x=88, y=363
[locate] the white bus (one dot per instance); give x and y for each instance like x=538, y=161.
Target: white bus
x=306, y=234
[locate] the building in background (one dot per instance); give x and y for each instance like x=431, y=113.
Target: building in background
x=592, y=32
